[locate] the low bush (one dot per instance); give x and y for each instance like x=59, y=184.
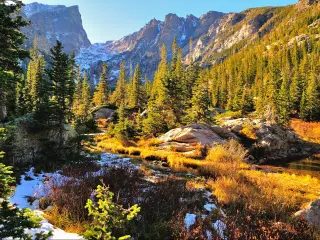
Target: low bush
x=224, y=160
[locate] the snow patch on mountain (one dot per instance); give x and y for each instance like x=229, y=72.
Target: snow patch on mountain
x=34, y=8
x=92, y=55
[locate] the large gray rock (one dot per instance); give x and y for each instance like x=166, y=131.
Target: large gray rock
x=197, y=134
x=311, y=213
x=104, y=113
x=31, y=143
x=272, y=142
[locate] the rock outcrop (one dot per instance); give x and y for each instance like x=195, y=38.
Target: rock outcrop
x=50, y=23
x=104, y=113
x=186, y=138
x=265, y=142
x=311, y=213
x=33, y=142
x=268, y=142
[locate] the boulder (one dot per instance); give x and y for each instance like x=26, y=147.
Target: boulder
x=272, y=142
x=197, y=134
x=311, y=213
x=104, y=113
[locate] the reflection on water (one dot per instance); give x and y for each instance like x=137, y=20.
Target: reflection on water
x=309, y=164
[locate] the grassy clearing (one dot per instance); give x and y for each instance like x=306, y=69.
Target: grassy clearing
x=268, y=196
x=231, y=178
x=309, y=131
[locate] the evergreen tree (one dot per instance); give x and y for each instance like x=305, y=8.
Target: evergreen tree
x=21, y=96
x=77, y=96
x=155, y=123
x=59, y=75
x=71, y=84
x=158, y=91
x=11, y=40
x=310, y=107
x=136, y=97
x=284, y=102
x=119, y=95
x=101, y=96
x=147, y=87
x=296, y=90
x=247, y=105
x=84, y=110
x=108, y=216
x=199, y=111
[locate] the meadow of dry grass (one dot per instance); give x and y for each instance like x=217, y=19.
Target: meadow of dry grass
x=231, y=180
x=259, y=197
x=309, y=131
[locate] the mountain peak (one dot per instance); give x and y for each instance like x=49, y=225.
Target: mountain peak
x=33, y=8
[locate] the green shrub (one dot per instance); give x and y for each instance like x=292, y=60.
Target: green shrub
x=107, y=215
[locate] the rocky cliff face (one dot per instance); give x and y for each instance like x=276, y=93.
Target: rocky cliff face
x=51, y=23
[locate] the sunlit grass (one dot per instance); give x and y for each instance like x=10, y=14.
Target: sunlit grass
x=309, y=131
x=229, y=177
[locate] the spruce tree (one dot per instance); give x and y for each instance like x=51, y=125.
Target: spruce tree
x=199, y=111
x=136, y=97
x=296, y=90
x=59, y=75
x=284, y=102
x=119, y=95
x=101, y=95
x=158, y=92
x=147, y=87
x=77, y=95
x=11, y=40
x=310, y=107
x=21, y=96
x=85, y=98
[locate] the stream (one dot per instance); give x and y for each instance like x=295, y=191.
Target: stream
x=310, y=165
x=36, y=185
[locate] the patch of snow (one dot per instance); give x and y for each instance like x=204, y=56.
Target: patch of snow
x=48, y=36
x=115, y=73
x=183, y=37
x=189, y=220
x=209, y=235
x=33, y=8
x=210, y=207
x=220, y=227
x=36, y=187
x=93, y=54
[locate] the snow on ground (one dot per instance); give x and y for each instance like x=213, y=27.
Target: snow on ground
x=189, y=220
x=37, y=188
x=218, y=225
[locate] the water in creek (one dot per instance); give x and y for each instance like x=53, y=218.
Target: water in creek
x=311, y=164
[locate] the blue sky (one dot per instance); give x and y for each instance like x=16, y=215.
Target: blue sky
x=112, y=19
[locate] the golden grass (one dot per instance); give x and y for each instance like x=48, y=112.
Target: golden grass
x=60, y=218
x=232, y=182
x=309, y=131
x=275, y=193
x=224, y=160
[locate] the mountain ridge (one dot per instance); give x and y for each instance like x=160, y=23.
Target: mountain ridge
x=215, y=35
